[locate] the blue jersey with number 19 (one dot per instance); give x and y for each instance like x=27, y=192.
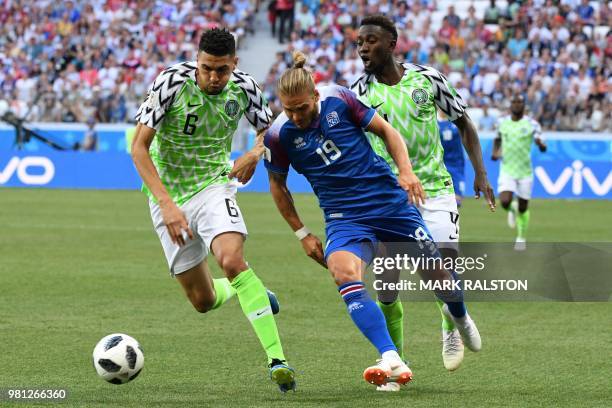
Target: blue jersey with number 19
x=333, y=153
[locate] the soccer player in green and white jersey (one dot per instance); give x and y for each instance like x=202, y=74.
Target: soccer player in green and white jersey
x=181, y=149
x=407, y=96
x=515, y=134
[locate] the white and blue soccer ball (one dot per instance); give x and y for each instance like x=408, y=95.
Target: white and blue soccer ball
x=118, y=358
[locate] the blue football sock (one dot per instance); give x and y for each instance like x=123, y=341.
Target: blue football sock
x=366, y=315
x=454, y=299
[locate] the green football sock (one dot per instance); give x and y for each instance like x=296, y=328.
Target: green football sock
x=223, y=291
x=522, y=222
x=255, y=305
x=394, y=315
x=447, y=322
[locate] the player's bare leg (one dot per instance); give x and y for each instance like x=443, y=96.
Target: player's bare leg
x=228, y=251
x=200, y=289
x=505, y=198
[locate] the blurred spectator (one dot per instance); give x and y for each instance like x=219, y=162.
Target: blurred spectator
x=451, y=18
x=582, y=85
x=492, y=14
x=595, y=121
x=586, y=13
x=272, y=16
x=90, y=139
x=487, y=121
x=518, y=44
x=304, y=19
x=284, y=12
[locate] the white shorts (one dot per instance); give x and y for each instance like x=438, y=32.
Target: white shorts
x=442, y=219
x=521, y=187
x=209, y=213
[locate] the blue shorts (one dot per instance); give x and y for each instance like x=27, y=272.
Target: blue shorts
x=361, y=236
x=458, y=176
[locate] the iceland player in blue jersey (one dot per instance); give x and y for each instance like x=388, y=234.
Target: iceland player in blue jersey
x=320, y=134
x=454, y=160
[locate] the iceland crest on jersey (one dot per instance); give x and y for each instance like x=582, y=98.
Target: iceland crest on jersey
x=299, y=142
x=332, y=118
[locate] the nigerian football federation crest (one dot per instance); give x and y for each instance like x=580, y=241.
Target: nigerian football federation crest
x=419, y=96
x=232, y=108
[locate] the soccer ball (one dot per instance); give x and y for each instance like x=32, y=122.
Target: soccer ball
x=118, y=358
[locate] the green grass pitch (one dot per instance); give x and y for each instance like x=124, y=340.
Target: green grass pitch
x=77, y=265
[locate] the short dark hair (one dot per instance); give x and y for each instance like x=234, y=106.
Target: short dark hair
x=383, y=22
x=217, y=42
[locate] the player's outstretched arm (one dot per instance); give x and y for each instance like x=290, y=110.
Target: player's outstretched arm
x=284, y=202
x=541, y=144
x=173, y=216
x=537, y=135
x=259, y=115
x=245, y=165
x=398, y=151
x=497, y=145
x=469, y=138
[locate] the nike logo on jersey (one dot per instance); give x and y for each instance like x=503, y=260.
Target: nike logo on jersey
x=193, y=105
x=377, y=106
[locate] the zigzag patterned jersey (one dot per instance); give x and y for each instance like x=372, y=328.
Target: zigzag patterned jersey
x=410, y=107
x=194, y=130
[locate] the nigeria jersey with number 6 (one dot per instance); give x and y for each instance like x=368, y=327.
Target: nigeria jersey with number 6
x=410, y=107
x=517, y=138
x=194, y=130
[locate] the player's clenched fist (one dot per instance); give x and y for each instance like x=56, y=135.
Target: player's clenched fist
x=244, y=167
x=314, y=249
x=176, y=222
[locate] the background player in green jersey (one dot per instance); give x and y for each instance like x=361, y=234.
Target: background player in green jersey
x=181, y=149
x=515, y=135
x=407, y=96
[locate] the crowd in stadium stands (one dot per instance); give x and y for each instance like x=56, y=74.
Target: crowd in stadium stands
x=557, y=53
x=76, y=61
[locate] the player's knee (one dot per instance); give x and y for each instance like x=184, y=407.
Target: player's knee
x=343, y=273
x=505, y=204
x=522, y=205
x=232, y=265
x=202, y=303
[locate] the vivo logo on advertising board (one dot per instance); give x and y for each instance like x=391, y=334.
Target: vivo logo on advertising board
x=578, y=174
x=23, y=167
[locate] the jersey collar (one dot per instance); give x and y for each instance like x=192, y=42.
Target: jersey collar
x=371, y=78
